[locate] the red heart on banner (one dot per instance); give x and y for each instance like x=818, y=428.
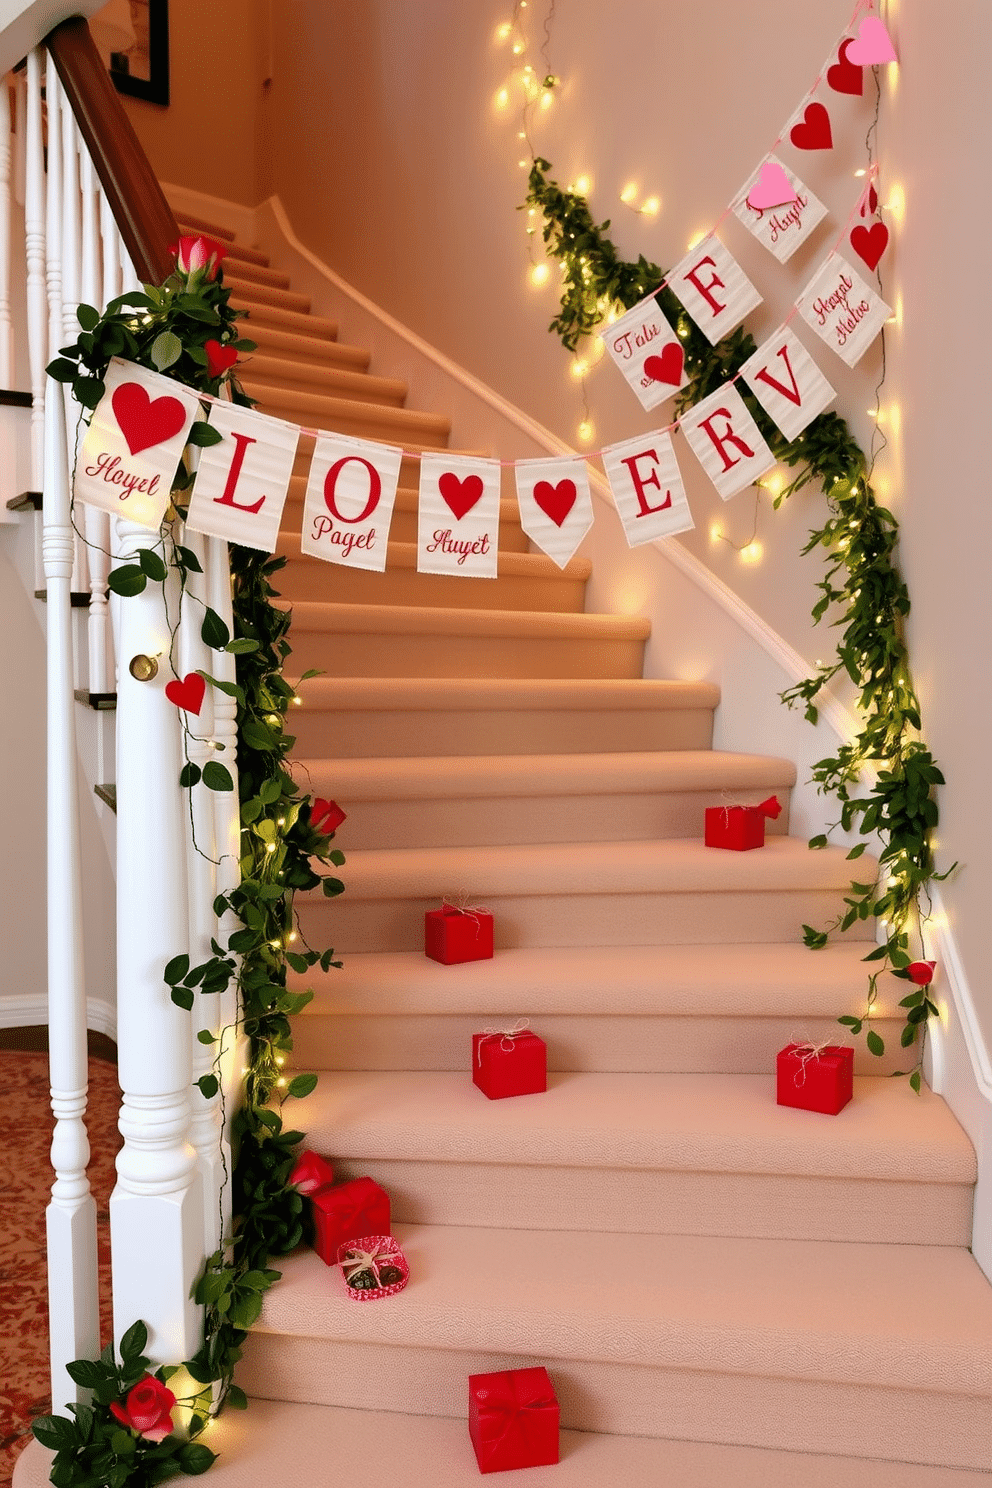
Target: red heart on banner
x=144, y=421
x=187, y=693
x=813, y=133
x=219, y=357
x=461, y=495
x=870, y=243
x=844, y=77
x=555, y=501
x=668, y=366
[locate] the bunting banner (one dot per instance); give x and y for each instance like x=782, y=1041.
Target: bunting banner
x=647, y=487
x=713, y=288
x=843, y=309
x=778, y=209
x=726, y=441
x=351, y=491
x=648, y=352
x=555, y=505
x=458, y=521
x=787, y=383
x=132, y=448
x=241, y=483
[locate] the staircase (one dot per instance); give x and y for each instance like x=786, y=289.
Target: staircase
x=722, y=1289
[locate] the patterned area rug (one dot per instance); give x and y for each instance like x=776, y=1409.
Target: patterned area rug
x=25, y=1187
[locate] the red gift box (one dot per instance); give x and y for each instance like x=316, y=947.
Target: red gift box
x=452, y=934
x=311, y=1172
x=360, y=1207
x=815, y=1079
x=739, y=827
x=369, y=1253
x=509, y=1062
x=513, y=1419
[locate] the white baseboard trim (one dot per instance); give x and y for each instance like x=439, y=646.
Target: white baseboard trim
x=28, y=1010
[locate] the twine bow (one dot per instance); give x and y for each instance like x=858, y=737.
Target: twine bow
x=362, y=1260
x=770, y=807
x=805, y=1051
x=505, y=1036
x=473, y=911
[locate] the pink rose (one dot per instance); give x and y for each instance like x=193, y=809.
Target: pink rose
x=147, y=1410
x=194, y=252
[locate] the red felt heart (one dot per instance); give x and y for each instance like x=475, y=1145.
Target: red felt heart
x=145, y=421
x=555, y=501
x=668, y=366
x=187, y=693
x=461, y=495
x=844, y=77
x=219, y=357
x=869, y=203
x=870, y=243
x=813, y=133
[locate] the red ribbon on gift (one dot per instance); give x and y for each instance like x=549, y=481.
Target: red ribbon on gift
x=509, y=1410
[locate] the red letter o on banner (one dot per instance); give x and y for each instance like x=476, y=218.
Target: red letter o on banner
x=331, y=480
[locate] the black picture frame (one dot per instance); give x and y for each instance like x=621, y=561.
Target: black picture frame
x=155, y=87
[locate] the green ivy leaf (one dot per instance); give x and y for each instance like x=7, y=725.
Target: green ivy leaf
x=301, y=1085
x=194, y=1458
x=217, y=777
x=213, y=631
x=202, y=435
x=875, y=1044
x=166, y=349
x=236, y=1398
x=209, y=1086
x=206, y=1037
x=241, y=647
x=915, y=1081
x=133, y=1343
x=88, y=317
x=127, y=580
x=189, y=775
x=188, y=559
x=62, y=370
x=176, y=969
x=182, y=997
x=56, y=1433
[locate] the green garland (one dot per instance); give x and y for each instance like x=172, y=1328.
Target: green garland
x=170, y=328
x=861, y=587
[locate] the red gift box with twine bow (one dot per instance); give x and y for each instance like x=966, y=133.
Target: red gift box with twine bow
x=740, y=827
x=457, y=933
x=815, y=1077
x=341, y=1213
x=509, y=1061
x=513, y=1419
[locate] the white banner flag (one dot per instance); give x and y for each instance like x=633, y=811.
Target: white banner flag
x=843, y=309
x=241, y=483
x=713, y=288
x=349, y=502
x=647, y=487
x=726, y=441
x=132, y=447
x=458, y=519
x=648, y=352
x=780, y=225
x=787, y=382
x=555, y=504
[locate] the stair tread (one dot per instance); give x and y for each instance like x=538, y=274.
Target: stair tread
x=771, y=980
x=259, y=312
x=817, y=1310
x=278, y=399
x=261, y=367
x=428, y=694
x=432, y=620
x=396, y=778
x=668, y=865
x=404, y=555
x=250, y=291
x=701, y=1123
x=324, y=349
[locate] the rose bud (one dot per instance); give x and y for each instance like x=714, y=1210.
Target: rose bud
x=147, y=1409
x=326, y=816
x=193, y=253
x=921, y=972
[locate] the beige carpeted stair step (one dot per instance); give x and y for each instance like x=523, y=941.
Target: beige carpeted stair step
x=403, y=527
x=526, y=581
x=809, y=1346
x=246, y=271
x=457, y=800
x=336, y=382
x=398, y=640
x=248, y=291
x=717, y=1009
x=369, y=716
x=259, y=313
x=689, y=1154
x=318, y=350
x=672, y=892
x=188, y=223
x=404, y=426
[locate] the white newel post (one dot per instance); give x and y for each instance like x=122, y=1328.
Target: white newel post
x=71, y=1215
x=156, y=1210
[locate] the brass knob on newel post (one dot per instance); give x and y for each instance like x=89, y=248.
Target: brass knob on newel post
x=143, y=668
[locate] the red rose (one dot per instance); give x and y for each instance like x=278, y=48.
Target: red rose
x=326, y=816
x=219, y=357
x=921, y=972
x=147, y=1410
x=311, y=1173
x=194, y=252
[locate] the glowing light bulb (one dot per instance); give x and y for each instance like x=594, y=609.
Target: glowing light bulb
x=280, y=1060
x=585, y=431
x=271, y=847
x=281, y=1082
x=518, y=47
x=629, y=193
x=546, y=98
x=502, y=98
x=582, y=185
x=292, y=935
x=539, y=274
x=580, y=367
x=698, y=237
x=652, y=206
x=503, y=31
x=752, y=552
x=297, y=700
x=716, y=532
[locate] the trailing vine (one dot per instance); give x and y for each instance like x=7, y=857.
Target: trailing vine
x=186, y=330
x=861, y=588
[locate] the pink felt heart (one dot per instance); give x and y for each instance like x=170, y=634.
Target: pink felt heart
x=144, y=421
x=844, y=77
x=873, y=44
x=187, y=693
x=668, y=366
x=813, y=132
x=870, y=243
x=461, y=495
x=555, y=501
x=772, y=188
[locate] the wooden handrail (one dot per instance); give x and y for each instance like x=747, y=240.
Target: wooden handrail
x=142, y=213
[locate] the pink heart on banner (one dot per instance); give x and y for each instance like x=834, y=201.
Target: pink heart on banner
x=844, y=77
x=461, y=495
x=555, y=501
x=813, y=132
x=772, y=188
x=873, y=44
x=145, y=422
x=870, y=243
x=668, y=366
x=187, y=693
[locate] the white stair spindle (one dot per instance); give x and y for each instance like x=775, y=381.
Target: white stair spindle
x=71, y=279
x=71, y=1215
x=96, y=523
x=156, y=1210
x=6, y=202
x=21, y=86
x=34, y=238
